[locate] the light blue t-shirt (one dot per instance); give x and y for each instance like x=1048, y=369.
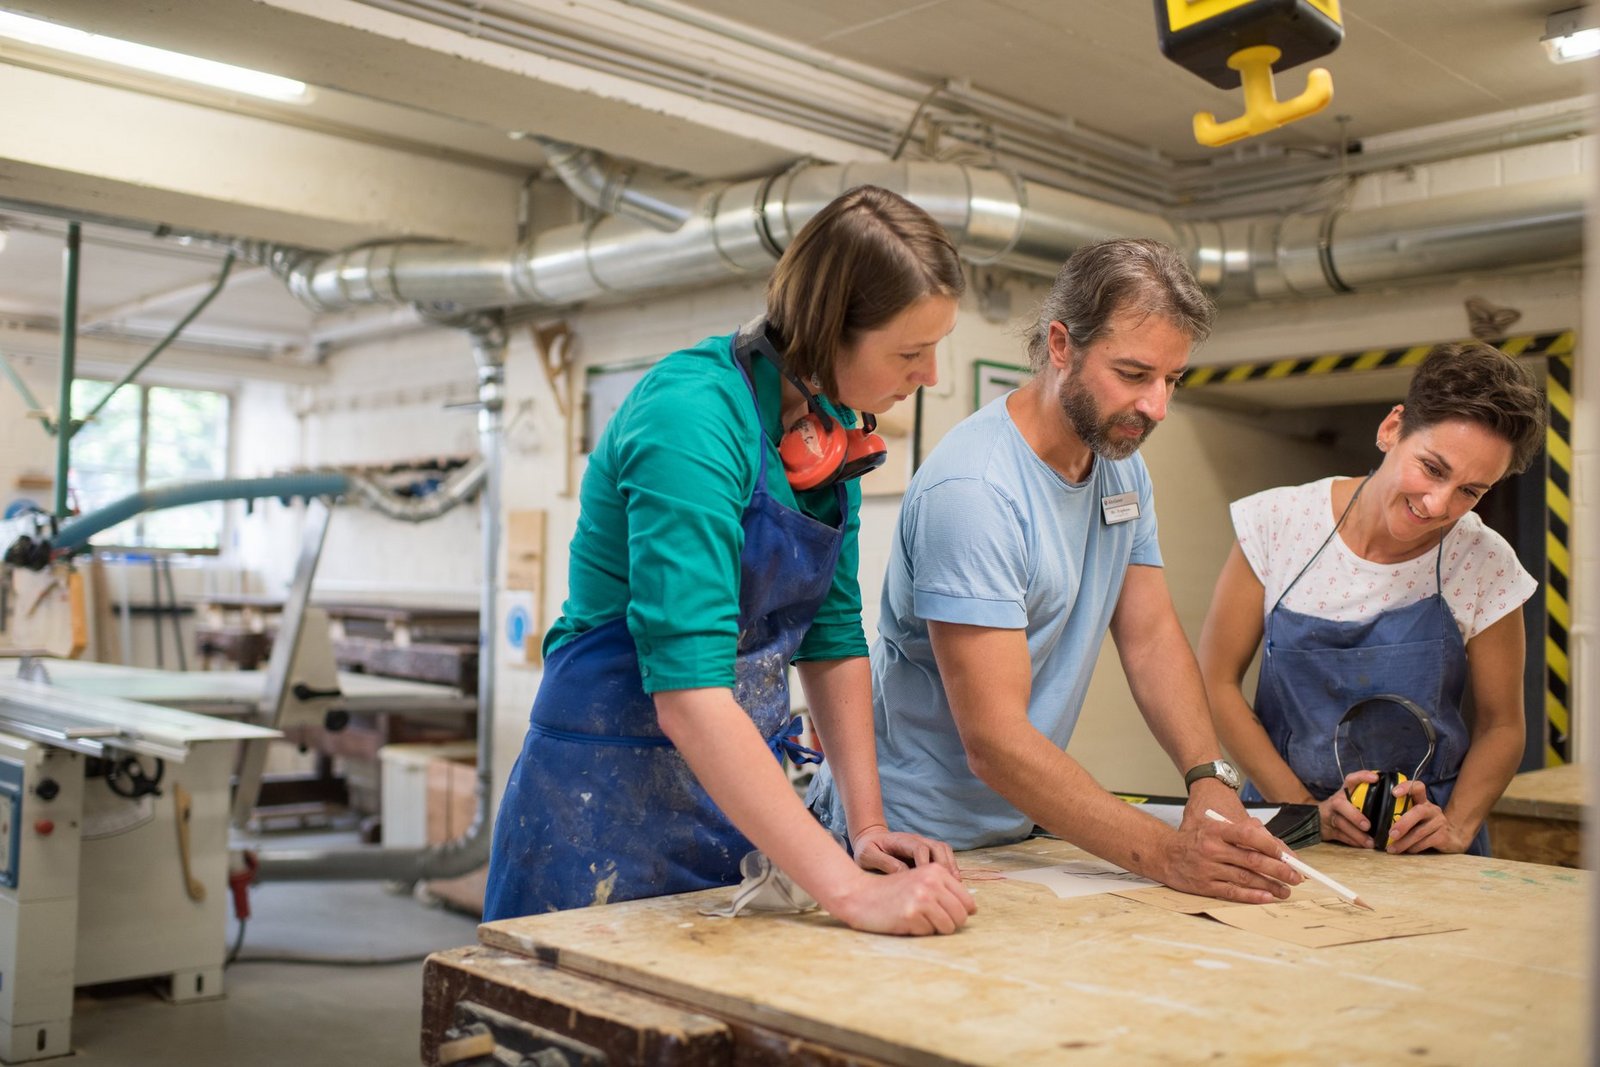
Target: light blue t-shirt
x=990, y=535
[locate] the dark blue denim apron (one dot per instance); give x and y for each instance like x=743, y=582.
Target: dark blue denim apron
x=600, y=806
x=1314, y=670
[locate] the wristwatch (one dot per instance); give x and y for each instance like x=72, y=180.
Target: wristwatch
x=1219, y=769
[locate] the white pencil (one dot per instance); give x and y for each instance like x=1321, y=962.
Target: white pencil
x=1306, y=869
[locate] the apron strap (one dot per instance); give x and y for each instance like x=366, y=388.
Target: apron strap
x=742, y=341
x=1353, y=498
x=788, y=744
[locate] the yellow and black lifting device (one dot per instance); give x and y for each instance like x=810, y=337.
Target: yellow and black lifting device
x=1234, y=42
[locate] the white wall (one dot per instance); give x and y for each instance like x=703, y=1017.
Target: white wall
x=386, y=403
x=27, y=453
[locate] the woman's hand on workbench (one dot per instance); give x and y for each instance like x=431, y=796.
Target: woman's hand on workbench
x=880, y=849
x=1341, y=820
x=1425, y=826
x=921, y=900
x=1234, y=860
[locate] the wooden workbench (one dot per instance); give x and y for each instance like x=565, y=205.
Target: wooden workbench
x=1539, y=818
x=1035, y=980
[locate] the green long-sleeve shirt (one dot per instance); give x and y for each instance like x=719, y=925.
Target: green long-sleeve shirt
x=658, y=536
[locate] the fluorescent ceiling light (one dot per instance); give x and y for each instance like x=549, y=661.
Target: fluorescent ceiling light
x=154, y=60
x=1571, y=34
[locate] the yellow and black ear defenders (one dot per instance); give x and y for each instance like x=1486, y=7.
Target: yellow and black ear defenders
x=816, y=451
x=1377, y=800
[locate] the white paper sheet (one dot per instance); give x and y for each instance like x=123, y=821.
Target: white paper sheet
x=1081, y=878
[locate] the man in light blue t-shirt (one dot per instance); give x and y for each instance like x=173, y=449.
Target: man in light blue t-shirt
x=1030, y=532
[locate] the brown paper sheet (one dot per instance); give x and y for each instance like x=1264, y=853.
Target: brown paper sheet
x=1320, y=923
x=1315, y=918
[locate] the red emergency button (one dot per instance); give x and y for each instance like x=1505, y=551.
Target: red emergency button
x=44, y=827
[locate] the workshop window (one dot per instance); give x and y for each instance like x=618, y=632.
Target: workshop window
x=151, y=436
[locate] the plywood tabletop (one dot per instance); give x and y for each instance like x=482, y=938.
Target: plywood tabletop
x=1102, y=979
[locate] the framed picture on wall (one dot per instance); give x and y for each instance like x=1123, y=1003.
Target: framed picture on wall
x=605, y=387
x=896, y=428
x=990, y=380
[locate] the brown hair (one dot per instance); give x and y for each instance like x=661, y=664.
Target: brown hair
x=1478, y=383
x=858, y=263
x=1103, y=279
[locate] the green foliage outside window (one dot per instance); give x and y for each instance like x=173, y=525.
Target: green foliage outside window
x=147, y=437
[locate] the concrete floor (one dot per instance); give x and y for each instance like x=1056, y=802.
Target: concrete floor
x=275, y=1013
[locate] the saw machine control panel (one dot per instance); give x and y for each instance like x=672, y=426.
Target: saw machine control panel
x=10, y=820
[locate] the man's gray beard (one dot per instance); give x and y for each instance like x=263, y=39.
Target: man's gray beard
x=1083, y=413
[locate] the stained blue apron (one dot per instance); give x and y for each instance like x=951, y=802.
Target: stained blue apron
x=1314, y=670
x=600, y=806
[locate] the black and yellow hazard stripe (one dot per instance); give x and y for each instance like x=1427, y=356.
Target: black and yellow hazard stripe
x=1556, y=349
x=1526, y=345
x=1558, y=565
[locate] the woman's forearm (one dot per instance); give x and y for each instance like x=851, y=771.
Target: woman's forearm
x=1491, y=763
x=839, y=697
x=1246, y=740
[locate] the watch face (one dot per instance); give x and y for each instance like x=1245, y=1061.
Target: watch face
x=1228, y=773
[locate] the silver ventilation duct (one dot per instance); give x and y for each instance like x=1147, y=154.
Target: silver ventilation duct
x=617, y=188
x=738, y=230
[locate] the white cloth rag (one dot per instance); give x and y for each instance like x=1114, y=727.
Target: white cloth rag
x=765, y=888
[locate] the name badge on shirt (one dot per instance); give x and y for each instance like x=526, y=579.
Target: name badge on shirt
x=1120, y=508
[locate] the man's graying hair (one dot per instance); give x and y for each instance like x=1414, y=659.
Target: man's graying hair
x=1125, y=274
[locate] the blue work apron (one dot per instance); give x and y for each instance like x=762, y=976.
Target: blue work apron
x=600, y=806
x=1314, y=670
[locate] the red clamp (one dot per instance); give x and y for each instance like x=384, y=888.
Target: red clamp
x=239, y=879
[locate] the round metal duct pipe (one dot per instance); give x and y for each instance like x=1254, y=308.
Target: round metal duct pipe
x=739, y=229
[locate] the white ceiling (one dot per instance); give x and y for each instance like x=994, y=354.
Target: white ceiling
x=408, y=115
x=1403, y=63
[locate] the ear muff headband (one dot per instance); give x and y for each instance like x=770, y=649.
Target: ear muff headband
x=816, y=451
x=1377, y=800
x=1361, y=707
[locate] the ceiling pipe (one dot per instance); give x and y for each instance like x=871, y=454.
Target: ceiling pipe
x=471, y=850
x=738, y=230
x=619, y=189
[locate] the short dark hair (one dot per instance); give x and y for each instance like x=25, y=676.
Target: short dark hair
x=1101, y=280
x=1478, y=383
x=860, y=261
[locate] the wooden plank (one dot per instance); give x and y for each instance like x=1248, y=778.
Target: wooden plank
x=1547, y=793
x=1554, y=841
x=1105, y=980
x=626, y=1026
x=1539, y=818
x=629, y=1027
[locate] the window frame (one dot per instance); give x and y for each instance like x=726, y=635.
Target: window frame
x=140, y=543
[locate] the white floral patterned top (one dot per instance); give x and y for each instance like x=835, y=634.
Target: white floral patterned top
x=1279, y=529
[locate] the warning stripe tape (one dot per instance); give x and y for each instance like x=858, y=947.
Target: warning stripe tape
x=1523, y=345
x=1558, y=560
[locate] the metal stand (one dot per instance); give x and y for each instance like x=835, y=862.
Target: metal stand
x=280, y=693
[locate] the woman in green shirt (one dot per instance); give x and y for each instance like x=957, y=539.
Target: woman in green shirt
x=705, y=561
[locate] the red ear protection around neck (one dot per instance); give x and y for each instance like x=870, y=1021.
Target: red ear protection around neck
x=816, y=450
